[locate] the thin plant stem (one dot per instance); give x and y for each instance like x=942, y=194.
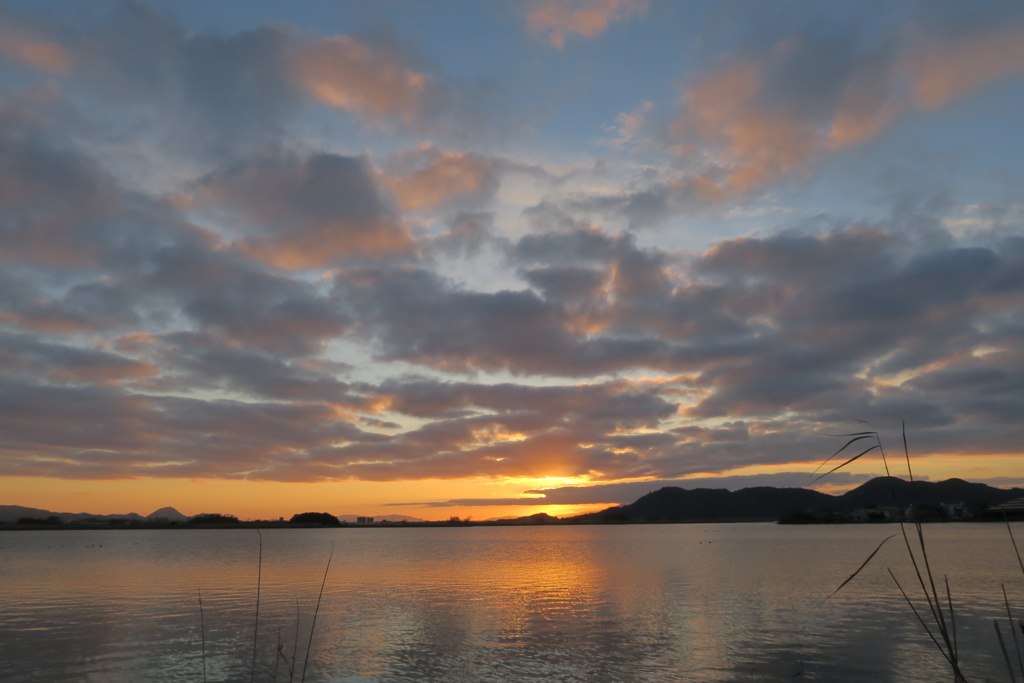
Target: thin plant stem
x=906, y=451
x=947, y=646
x=1009, y=530
x=852, y=576
x=309, y=644
x=920, y=619
x=952, y=615
x=1006, y=655
x=256, y=625
x=931, y=580
x=1013, y=631
x=202, y=631
x=295, y=645
x=277, y=659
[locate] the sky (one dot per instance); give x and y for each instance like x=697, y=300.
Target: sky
x=488, y=259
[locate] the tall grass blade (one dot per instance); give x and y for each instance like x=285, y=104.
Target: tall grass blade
x=937, y=609
x=277, y=658
x=309, y=645
x=1002, y=646
x=857, y=437
x=1009, y=530
x=906, y=451
x=839, y=467
x=202, y=631
x=861, y=567
x=295, y=645
x=256, y=626
x=952, y=616
x=1013, y=632
x=924, y=625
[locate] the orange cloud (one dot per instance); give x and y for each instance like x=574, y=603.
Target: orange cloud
x=943, y=72
x=866, y=109
x=39, y=54
x=762, y=144
x=448, y=175
x=345, y=74
x=588, y=18
x=732, y=116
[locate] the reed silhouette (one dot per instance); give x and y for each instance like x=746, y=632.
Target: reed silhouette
x=938, y=621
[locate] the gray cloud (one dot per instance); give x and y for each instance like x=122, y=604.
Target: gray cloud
x=621, y=494
x=304, y=212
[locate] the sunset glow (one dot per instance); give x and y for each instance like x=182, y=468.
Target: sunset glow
x=488, y=260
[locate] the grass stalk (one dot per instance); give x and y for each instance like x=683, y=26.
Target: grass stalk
x=277, y=657
x=1002, y=646
x=1013, y=631
x=309, y=644
x=295, y=645
x=952, y=615
x=256, y=625
x=202, y=631
x=1016, y=550
x=943, y=635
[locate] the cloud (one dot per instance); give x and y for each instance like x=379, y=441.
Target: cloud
x=207, y=95
x=767, y=116
x=417, y=316
x=225, y=293
x=193, y=360
x=628, y=125
x=25, y=356
x=427, y=177
x=466, y=236
x=558, y=18
x=23, y=46
x=297, y=212
x=625, y=493
x=54, y=200
x=943, y=70
x=211, y=94
x=371, y=82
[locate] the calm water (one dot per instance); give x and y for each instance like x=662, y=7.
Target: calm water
x=624, y=603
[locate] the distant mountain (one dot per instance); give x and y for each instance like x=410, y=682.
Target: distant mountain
x=539, y=518
x=167, y=514
x=10, y=514
x=765, y=503
x=880, y=491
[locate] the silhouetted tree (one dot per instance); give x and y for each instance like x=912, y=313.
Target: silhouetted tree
x=51, y=520
x=214, y=518
x=324, y=518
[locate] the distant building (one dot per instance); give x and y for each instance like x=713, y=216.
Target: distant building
x=880, y=513
x=364, y=520
x=955, y=511
x=1014, y=509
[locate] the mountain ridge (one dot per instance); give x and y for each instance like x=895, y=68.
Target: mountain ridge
x=767, y=503
x=10, y=514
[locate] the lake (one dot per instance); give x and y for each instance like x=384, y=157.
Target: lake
x=700, y=602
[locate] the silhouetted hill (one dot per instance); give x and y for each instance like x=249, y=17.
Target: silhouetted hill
x=765, y=503
x=9, y=514
x=539, y=518
x=880, y=491
x=167, y=514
